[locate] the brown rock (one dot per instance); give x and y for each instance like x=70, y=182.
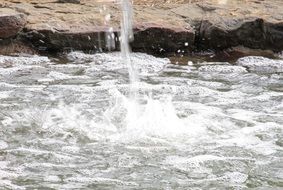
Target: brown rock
x=160, y=25
x=8, y=47
x=85, y=27
x=10, y=23
x=223, y=24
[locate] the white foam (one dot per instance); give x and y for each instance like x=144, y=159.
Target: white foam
x=58, y=76
x=145, y=64
x=68, y=68
x=28, y=60
x=222, y=69
x=3, y=145
x=261, y=64
x=71, y=149
x=52, y=179
x=8, y=184
x=9, y=72
x=235, y=177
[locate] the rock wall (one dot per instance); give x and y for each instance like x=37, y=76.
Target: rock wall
x=160, y=25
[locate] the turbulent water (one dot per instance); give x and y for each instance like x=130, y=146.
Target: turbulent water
x=203, y=125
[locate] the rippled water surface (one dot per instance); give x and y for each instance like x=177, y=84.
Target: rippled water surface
x=203, y=125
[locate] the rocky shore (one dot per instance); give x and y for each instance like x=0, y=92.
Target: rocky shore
x=161, y=26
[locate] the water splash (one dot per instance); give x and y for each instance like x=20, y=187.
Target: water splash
x=127, y=36
x=154, y=117
x=216, y=131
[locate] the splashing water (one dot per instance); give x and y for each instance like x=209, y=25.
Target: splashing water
x=200, y=126
x=155, y=115
x=214, y=125
x=127, y=36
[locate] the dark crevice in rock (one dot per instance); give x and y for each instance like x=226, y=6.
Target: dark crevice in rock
x=42, y=7
x=53, y=41
x=198, y=36
x=69, y=1
x=158, y=39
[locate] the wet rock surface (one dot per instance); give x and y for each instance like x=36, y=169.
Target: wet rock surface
x=160, y=26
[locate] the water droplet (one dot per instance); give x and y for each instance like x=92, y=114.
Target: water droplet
x=108, y=17
x=190, y=63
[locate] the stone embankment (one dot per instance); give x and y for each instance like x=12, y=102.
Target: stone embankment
x=160, y=25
